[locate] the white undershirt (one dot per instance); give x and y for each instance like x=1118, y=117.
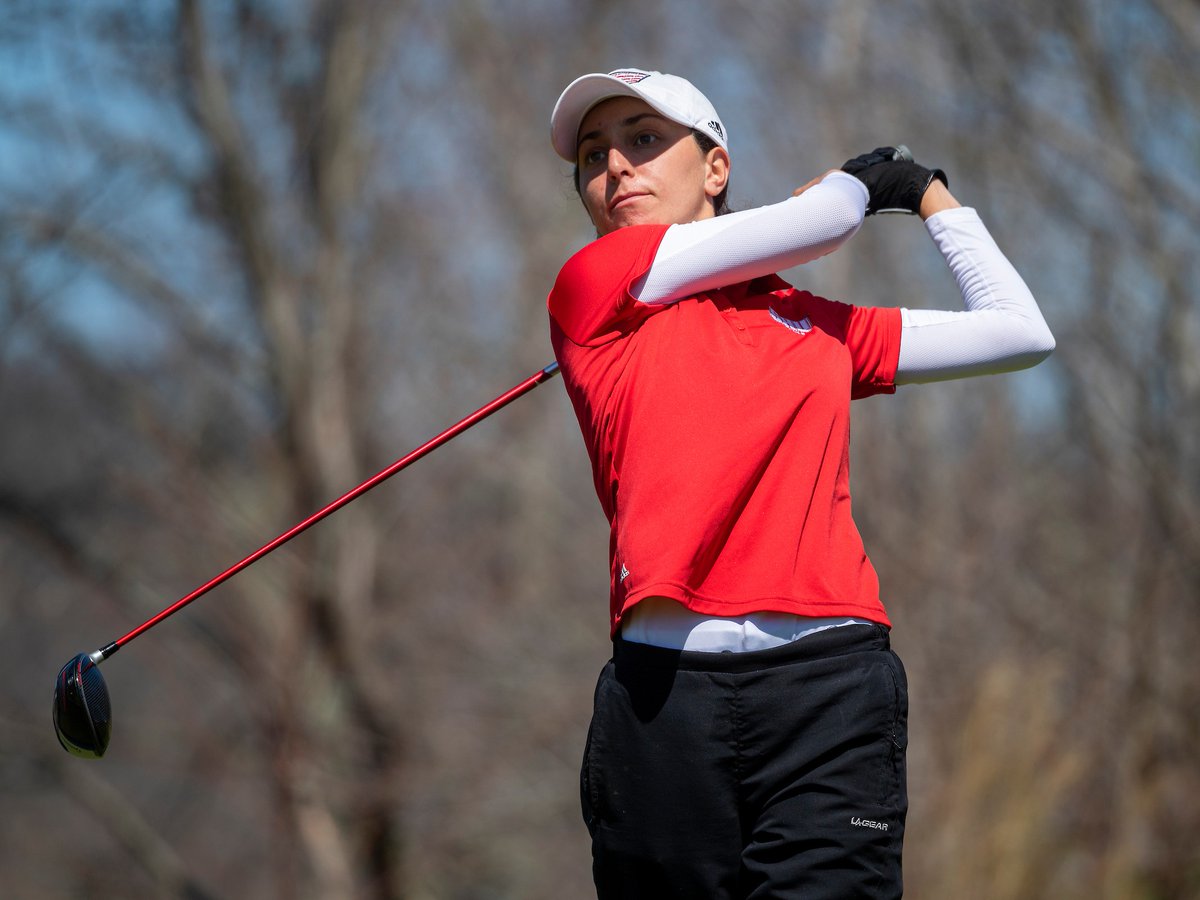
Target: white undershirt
x=662, y=622
x=999, y=329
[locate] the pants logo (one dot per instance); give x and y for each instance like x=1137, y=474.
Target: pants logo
x=868, y=823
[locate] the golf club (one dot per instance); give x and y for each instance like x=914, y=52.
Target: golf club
x=82, y=710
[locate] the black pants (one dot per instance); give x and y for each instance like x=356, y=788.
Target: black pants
x=771, y=774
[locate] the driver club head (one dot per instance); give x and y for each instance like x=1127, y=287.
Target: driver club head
x=82, y=712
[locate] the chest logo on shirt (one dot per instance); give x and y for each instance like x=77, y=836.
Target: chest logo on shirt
x=802, y=326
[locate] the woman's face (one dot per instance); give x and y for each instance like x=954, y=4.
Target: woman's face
x=639, y=168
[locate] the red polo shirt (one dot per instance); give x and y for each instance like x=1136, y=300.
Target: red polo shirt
x=718, y=430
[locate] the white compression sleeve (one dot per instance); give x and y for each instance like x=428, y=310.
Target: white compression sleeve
x=1001, y=329
x=712, y=253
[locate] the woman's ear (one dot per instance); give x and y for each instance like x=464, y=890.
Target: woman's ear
x=716, y=172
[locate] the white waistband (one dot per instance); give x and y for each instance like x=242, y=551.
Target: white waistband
x=665, y=623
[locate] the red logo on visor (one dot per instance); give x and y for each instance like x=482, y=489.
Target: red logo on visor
x=629, y=76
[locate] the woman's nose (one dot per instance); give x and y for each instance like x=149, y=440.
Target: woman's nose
x=618, y=163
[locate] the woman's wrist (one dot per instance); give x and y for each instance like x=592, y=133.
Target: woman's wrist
x=937, y=197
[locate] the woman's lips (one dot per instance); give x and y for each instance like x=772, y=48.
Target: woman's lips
x=621, y=199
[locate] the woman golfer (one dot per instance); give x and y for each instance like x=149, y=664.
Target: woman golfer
x=749, y=734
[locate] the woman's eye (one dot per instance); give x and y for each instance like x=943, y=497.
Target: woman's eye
x=645, y=139
x=592, y=157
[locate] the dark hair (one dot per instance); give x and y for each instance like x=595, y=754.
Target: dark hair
x=705, y=143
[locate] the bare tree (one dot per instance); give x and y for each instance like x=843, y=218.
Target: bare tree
x=253, y=252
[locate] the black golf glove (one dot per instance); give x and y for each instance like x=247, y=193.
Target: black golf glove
x=894, y=182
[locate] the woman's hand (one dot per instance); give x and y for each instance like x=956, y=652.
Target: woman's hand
x=895, y=183
x=800, y=190
x=936, y=197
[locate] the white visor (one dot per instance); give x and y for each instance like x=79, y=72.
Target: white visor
x=669, y=95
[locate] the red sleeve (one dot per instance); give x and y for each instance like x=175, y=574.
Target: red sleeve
x=871, y=335
x=873, y=339
x=590, y=300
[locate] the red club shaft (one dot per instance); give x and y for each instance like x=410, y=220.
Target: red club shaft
x=429, y=446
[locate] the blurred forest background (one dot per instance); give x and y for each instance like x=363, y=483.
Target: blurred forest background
x=251, y=252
